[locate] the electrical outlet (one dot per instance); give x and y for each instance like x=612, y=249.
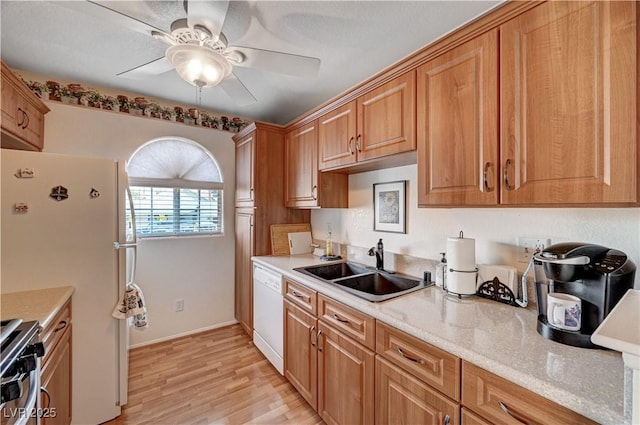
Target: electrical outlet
x=527, y=247
x=180, y=305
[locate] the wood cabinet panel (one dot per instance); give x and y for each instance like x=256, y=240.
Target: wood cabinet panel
x=337, y=137
x=300, y=353
x=470, y=418
x=56, y=367
x=23, y=113
x=245, y=159
x=432, y=365
x=458, y=125
x=301, y=296
x=305, y=185
x=347, y=320
x=56, y=379
x=568, y=75
x=345, y=379
x=403, y=399
x=386, y=119
x=491, y=396
x=244, y=269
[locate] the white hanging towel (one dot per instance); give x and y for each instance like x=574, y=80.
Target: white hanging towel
x=132, y=305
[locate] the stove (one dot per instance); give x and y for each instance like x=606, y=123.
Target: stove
x=20, y=372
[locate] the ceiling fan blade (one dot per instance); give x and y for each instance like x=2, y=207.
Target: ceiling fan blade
x=210, y=14
x=155, y=67
x=103, y=13
x=282, y=63
x=237, y=91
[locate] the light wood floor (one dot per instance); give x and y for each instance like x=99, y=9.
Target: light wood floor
x=214, y=377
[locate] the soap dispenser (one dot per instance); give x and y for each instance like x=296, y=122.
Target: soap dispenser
x=329, y=246
x=441, y=271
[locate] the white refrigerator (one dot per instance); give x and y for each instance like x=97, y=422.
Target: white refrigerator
x=60, y=218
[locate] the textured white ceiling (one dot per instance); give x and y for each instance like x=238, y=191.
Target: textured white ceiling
x=353, y=39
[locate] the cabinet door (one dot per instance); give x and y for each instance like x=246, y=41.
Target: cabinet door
x=345, y=379
x=403, y=399
x=458, y=125
x=502, y=402
x=337, y=137
x=245, y=160
x=568, y=100
x=300, y=353
x=244, y=270
x=301, y=166
x=386, y=119
x=56, y=379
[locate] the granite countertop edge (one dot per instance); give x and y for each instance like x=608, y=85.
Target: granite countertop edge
x=601, y=413
x=39, y=304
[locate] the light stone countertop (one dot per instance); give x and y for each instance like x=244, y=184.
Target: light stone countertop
x=497, y=337
x=39, y=304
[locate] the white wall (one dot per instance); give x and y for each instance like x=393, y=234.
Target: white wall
x=495, y=229
x=196, y=269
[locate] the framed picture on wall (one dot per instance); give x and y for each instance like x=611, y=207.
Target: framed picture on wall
x=389, y=207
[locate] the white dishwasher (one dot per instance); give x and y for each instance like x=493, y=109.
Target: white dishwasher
x=268, y=325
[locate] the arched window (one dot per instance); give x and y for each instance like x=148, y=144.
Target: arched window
x=176, y=186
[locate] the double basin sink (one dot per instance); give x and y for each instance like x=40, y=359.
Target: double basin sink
x=364, y=282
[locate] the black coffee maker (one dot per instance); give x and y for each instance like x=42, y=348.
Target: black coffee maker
x=597, y=275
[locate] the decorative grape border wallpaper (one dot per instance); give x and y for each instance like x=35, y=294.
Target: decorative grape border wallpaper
x=76, y=94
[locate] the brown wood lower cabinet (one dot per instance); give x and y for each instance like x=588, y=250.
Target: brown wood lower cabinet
x=403, y=399
x=56, y=369
x=345, y=379
x=333, y=372
x=499, y=401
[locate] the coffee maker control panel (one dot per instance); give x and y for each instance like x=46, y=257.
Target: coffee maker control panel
x=610, y=262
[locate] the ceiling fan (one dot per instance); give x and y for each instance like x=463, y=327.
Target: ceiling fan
x=199, y=51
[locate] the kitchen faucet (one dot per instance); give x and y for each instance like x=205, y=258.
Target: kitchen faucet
x=378, y=251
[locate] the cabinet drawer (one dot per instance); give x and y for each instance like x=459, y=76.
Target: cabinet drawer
x=469, y=418
x=436, y=367
x=351, y=322
x=301, y=296
x=53, y=333
x=491, y=397
x=403, y=399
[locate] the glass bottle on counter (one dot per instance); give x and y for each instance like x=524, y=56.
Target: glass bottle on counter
x=441, y=272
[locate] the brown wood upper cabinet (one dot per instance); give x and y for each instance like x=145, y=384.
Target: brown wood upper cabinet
x=22, y=114
x=245, y=159
x=457, y=125
x=305, y=185
x=568, y=76
x=563, y=77
x=377, y=124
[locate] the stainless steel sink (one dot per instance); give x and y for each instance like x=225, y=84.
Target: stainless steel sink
x=364, y=282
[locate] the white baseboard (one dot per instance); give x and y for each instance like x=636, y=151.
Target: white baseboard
x=195, y=331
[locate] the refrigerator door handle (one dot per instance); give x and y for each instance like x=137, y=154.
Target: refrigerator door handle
x=118, y=245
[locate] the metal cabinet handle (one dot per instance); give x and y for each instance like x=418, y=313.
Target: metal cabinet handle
x=22, y=115
x=358, y=144
x=446, y=420
x=311, y=334
x=61, y=326
x=351, y=146
x=318, y=340
x=506, y=175
x=314, y=192
x=297, y=295
x=512, y=414
x=26, y=118
x=485, y=177
x=44, y=390
x=340, y=319
x=419, y=361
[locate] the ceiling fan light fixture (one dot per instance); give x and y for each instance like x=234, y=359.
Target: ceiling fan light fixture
x=198, y=65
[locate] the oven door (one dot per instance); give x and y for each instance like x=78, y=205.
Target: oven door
x=24, y=410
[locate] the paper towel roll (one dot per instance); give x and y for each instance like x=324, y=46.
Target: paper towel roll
x=461, y=254
x=461, y=265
